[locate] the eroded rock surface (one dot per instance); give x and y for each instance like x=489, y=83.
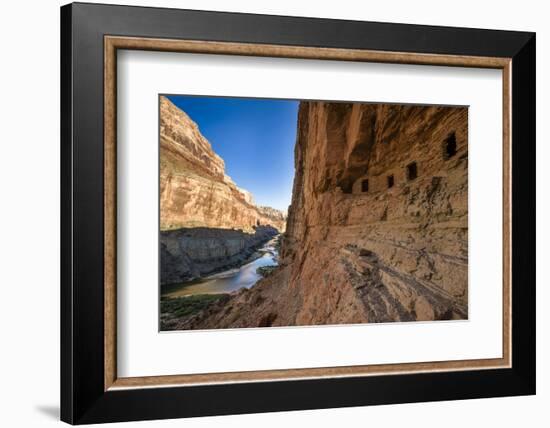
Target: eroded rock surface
x=207, y=223
x=188, y=254
x=378, y=226
x=195, y=191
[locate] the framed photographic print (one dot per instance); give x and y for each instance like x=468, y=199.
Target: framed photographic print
x=265, y=213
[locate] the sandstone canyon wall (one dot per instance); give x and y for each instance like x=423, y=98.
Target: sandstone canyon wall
x=207, y=223
x=378, y=226
x=191, y=253
x=195, y=191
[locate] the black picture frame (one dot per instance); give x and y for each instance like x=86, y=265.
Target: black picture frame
x=83, y=398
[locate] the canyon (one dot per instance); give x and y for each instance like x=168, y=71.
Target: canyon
x=188, y=254
x=377, y=230
x=195, y=191
x=207, y=222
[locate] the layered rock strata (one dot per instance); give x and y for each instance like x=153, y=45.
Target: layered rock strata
x=188, y=254
x=195, y=191
x=207, y=223
x=378, y=226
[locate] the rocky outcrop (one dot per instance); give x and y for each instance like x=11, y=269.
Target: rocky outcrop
x=378, y=226
x=273, y=216
x=188, y=254
x=194, y=189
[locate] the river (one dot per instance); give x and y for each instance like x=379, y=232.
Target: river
x=229, y=280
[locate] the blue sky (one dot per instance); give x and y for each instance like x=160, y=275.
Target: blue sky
x=255, y=138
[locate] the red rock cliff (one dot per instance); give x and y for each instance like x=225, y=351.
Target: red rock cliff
x=379, y=214
x=194, y=189
x=378, y=226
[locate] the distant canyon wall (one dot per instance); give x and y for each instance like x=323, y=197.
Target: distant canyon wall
x=378, y=226
x=189, y=254
x=194, y=189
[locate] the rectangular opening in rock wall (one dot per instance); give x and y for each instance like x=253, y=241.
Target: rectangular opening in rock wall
x=412, y=171
x=365, y=185
x=450, y=146
x=390, y=181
